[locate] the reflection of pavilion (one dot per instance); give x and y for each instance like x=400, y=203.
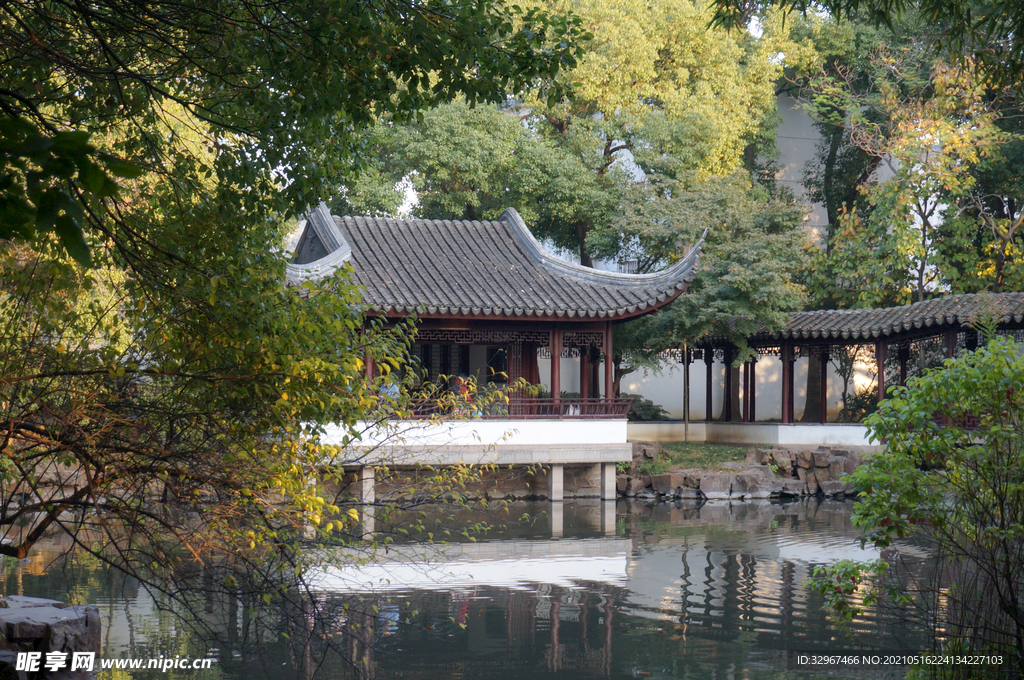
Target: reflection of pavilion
x=489, y=299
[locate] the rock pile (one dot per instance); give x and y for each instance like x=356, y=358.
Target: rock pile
x=767, y=473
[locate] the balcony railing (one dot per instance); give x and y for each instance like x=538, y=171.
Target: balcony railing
x=528, y=408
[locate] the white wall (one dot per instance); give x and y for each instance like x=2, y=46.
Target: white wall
x=667, y=389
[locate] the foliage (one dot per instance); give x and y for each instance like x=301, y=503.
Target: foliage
x=643, y=409
x=752, y=253
x=929, y=132
x=987, y=33
x=267, y=99
x=952, y=476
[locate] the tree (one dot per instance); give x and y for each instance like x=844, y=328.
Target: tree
x=987, y=34
x=267, y=99
x=951, y=475
x=162, y=405
x=753, y=250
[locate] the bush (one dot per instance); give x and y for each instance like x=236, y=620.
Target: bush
x=643, y=409
x=951, y=477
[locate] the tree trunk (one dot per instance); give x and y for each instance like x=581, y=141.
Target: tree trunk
x=812, y=409
x=581, y=234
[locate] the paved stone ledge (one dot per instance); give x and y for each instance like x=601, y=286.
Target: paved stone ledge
x=506, y=454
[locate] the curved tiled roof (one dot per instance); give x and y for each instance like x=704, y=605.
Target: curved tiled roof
x=482, y=269
x=867, y=324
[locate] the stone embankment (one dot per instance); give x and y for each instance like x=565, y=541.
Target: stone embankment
x=766, y=473
x=34, y=624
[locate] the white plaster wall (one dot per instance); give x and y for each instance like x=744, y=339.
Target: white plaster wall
x=488, y=433
x=667, y=389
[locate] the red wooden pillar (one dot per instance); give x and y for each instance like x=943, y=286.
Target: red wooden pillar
x=555, y=346
x=746, y=391
x=609, y=365
x=584, y=373
x=727, y=406
x=786, y=355
x=753, y=390
x=903, y=354
x=709, y=361
x=950, y=342
x=824, y=384
x=881, y=354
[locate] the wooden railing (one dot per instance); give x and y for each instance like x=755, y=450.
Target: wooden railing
x=527, y=408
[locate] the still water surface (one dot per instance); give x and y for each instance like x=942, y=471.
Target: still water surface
x=595, y=590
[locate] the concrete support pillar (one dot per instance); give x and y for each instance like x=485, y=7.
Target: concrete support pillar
x=556, y=510
x=608, y=517
x=367, y=494
x=556, y=488
x=607, y=481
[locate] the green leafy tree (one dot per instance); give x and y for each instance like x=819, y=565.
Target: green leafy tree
x=269, y=100
x=987, y=34
x=951, y=475
x=754, y=248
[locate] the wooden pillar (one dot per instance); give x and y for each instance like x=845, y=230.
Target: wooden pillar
x=881, y=354
x=727, y=407
x=903, y=354
x=950, y=342
x=595, y=371
x=753, y=390
x=609, y=365
x=824, y=384
x=746, y=392
x=584, y=373
x=786, y=355
x=709, y=361
x=555, y=346
x=368, y=366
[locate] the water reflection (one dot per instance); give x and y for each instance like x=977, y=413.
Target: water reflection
x=661, y=590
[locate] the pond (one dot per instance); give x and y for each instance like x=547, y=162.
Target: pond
x=586, y=590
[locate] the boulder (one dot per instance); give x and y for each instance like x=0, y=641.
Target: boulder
x=837, y=467
x=821, y=457
x=833, y=487
x=751, y=484
x=821, y=474
x=782, y=460
x=716, y=485
x=805, y=459
x=667, y=483
x=635, y=487
x=793, y=487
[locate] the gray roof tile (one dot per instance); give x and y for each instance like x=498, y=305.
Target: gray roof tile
x=490, y=268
